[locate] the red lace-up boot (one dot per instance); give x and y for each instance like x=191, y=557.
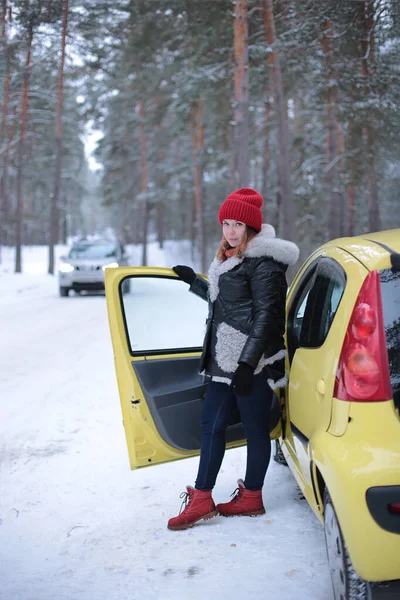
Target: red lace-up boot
x=244, y=503
x=198, y=505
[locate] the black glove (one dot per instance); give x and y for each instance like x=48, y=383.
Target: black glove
x=185, y=273
x=242, y=380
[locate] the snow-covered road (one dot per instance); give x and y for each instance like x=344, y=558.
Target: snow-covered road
x=76, y=523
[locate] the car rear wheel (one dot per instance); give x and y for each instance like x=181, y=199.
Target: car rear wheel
x=347, y=585
x=279, y=457
x=64, y=291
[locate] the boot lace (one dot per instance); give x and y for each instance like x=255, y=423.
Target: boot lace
x=185, y=502
x=236, y=494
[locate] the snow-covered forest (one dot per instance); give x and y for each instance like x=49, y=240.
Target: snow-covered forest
x=298, y=99
x=136, y=118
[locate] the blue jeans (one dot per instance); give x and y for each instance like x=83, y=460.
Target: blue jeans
x=219, y=403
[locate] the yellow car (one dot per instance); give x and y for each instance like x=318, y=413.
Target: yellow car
x=337, y=421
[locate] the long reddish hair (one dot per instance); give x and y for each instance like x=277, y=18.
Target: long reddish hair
x=240, y=249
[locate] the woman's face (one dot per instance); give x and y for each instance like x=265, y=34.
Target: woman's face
x=234, y=231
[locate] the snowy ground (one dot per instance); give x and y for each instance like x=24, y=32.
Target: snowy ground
x=75, y=522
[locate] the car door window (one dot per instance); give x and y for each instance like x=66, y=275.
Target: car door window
x=297, y=310
x=161, y=315
x=299, y=315
x=325, y=295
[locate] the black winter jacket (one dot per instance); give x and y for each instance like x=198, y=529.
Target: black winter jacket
x=246, y=318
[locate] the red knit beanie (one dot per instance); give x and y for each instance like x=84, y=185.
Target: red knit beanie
x=243, y=205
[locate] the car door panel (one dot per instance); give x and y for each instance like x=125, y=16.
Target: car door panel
x=313, y=369
x=174, y=392
x=161, y=391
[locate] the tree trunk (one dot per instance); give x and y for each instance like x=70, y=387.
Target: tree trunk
x=350, y=209
x=232, y=179
x=20, y=154
x=298, y=128
x=367, y=63
x=6, y=87
x=351, y=167
x=341, y=151
x=64, y=221
x=197, y=153
x=5, y=200
x=241, y=143
x=334, y=219
x=161, y=183
x=4, y=138
x=297, y=124
x=266, y=156
x=145, y=205
x=3, y=19
x=54, y=213
x=136, y=221
x=160, y=223
x=283, y=160
x=193, y=220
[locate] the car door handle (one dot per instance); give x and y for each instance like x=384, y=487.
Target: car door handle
x=321, y=387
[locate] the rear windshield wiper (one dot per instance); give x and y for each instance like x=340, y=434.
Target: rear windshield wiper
x=394, y=256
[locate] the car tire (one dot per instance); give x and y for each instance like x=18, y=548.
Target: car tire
x=347, y=585
x=279, y=457
x=64, y=291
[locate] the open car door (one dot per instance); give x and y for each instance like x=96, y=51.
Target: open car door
x=157, y=329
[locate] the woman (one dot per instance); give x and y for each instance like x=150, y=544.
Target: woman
x=243, y=351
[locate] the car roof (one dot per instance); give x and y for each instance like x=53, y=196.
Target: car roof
x=371, y=249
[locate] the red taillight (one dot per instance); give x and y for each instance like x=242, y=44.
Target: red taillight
x=363, y=370
x=364, y=321
x=394, y=508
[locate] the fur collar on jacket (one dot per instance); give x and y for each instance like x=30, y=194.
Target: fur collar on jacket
x=264, y=244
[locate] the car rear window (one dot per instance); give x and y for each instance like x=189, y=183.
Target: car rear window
x=390, y=283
